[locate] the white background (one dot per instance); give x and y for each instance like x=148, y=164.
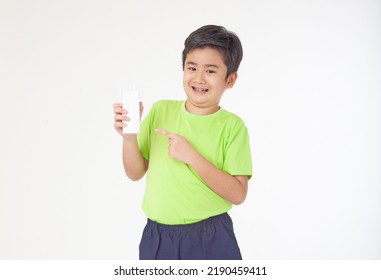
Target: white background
x=309, y=90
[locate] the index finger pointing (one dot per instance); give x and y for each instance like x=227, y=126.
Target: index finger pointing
x=164, y=132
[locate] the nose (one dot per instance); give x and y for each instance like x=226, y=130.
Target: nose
x=198, y=77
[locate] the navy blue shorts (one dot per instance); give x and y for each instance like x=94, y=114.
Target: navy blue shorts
x=210, y=239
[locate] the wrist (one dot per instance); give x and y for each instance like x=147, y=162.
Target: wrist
x=127, y=138
x=195, y=160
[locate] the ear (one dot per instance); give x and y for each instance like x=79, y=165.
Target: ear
x=231, y=80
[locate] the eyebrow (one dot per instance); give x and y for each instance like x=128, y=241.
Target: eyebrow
x=205, y=65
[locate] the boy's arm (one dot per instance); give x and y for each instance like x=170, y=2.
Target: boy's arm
x=231, y=188
x=135, y=165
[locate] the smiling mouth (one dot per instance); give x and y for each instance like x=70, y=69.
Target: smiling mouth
x=200, y=90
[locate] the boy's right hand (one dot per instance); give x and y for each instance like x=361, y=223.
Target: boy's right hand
x=120, y=116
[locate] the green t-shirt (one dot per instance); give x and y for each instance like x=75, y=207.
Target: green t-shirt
x=175, y=193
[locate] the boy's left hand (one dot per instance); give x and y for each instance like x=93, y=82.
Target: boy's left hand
x=178, y=147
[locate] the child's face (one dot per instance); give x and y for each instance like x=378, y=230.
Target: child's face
x=205, y=80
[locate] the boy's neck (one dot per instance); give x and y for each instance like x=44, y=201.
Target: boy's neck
x=191, y=108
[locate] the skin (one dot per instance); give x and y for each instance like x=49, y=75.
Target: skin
x=204, y=82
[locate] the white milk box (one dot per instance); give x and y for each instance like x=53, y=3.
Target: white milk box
x=130, y=101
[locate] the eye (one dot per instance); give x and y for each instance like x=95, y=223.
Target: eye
x=192, y=69
x=210, y=71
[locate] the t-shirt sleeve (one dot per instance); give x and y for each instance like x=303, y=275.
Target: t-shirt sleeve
x=237, y=160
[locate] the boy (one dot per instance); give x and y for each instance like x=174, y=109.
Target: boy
x=196, y=155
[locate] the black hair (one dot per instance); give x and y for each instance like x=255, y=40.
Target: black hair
x=216, y=37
